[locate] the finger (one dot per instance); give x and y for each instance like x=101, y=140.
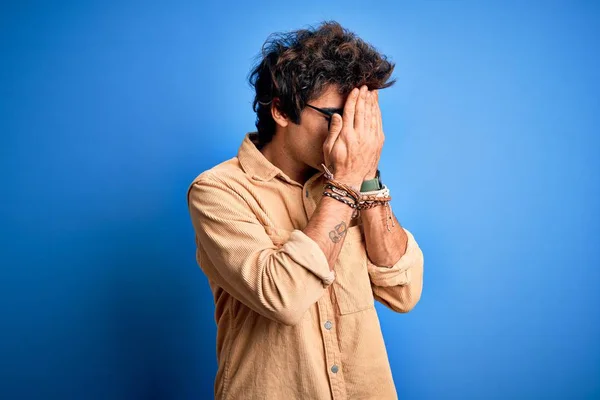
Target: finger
x=359, y=115
x=376, y=112
x=336, y=124
x=374, y=117
x=369, y=113
x=336, y=127
x=350, y=107
x=379, y=120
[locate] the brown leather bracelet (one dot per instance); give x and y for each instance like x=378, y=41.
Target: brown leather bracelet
x=330, y=180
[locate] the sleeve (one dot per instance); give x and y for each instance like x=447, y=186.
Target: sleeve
x=399, y=287
x=278, y=283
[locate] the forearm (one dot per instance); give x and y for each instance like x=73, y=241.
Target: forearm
x=384, y=247
x=328, y=225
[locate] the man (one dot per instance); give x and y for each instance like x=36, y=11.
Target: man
x=295, y=272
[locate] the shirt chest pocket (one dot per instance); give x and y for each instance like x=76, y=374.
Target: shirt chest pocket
x=352, y=285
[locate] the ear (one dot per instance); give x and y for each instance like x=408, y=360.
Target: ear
x=278, y=116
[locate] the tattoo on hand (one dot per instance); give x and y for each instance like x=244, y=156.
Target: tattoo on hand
x=338, y=233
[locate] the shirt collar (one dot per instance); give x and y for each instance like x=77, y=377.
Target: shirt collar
x=253, y=162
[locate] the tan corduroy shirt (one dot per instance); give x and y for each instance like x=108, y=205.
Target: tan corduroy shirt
x=288, y=327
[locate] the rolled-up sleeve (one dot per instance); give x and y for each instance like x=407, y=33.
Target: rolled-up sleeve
x=280, y=283
x=399, y=286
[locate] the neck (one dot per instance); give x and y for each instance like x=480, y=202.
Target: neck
x=276, y=152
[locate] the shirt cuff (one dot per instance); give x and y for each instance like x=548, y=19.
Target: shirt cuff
x=399, y=273
x=306, y=252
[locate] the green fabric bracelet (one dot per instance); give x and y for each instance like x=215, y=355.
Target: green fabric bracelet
x=371, y=184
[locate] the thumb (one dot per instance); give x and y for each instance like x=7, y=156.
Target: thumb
x=336, y=124
x=334, y=131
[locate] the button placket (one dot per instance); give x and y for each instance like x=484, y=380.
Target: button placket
x=332, y=356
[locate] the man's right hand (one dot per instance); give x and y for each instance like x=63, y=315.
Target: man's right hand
x=351, y=145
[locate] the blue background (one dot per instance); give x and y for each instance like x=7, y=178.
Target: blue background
x=108, y=110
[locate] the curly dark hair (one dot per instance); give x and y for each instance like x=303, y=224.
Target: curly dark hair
x=297, y=66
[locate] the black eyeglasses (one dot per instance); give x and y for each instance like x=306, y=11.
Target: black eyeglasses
x=328, y=112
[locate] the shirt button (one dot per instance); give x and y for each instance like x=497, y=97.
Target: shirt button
x=328, y=325
x=334, y=369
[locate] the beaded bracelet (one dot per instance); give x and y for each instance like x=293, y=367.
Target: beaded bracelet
x=350, y=203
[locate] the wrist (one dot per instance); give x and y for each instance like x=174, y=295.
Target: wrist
x=353, y=182
x=370, y=175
